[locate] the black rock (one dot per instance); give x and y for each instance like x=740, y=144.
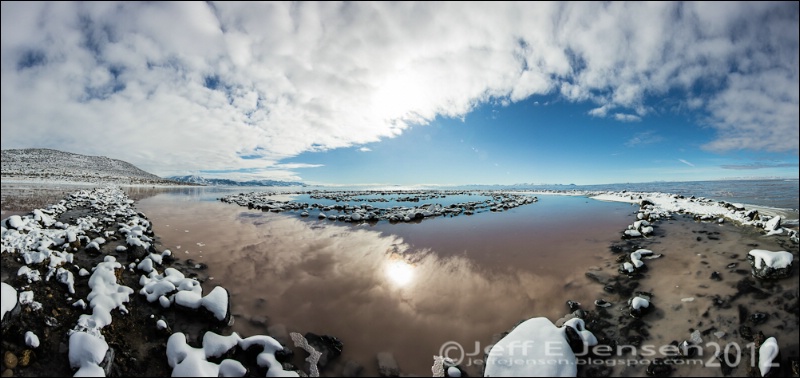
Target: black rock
x=659, y=368
x=723, y=363
x=602, y=303
x=573, y=305
x=574, y=339
x=716, y=276
x=758, y=317
x=746, y=332
x=329, y=346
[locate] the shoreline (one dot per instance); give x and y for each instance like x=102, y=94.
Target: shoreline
x=609, y=265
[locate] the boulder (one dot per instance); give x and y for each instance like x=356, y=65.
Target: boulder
x=768, y=265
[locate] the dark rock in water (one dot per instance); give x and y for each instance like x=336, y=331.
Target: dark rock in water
x=601, y=371
x=745, y=286
x=746, y=333
x=716, y=276
x=387, y=365
x=329, y=346
x=600, y=277
x=602, y=303
x=573, y=305
x=580, y=313
x=574, y=339
x=732, y=265
x=688, y=349
x=758, y=317
x=352, y=369
x=767, y=272
x=742, y=314
x=284, y=355
x=610, y=289
x=723, y=359
x=659, y=368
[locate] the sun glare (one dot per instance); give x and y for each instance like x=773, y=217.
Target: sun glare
x=400, y=272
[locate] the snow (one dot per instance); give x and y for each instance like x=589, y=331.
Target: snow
x=534, y=348
x=105, y=296
x=639, y=302
x=86, y=352
x=187, y=361
x=588, y=337
x=26, y=297
x=453, y=371
x=776, y=260
x=31, y=274
x=766, y=354
x=8, y=299
x=161, y=324
x=31, y=340
x=267, y=357
x=217, y=302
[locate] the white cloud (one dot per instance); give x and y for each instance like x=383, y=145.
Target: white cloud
x=686, y=162
x=364, y=149
x=644, y=138
x=177, y=86
x=627, y=117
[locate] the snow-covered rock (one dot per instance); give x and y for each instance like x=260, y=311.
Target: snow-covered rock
x=534, y=348
x=770, y=265
x=766, y=354
x=8, y=299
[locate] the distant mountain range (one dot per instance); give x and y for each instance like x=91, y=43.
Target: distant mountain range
x=41, y=164
x=198, y=180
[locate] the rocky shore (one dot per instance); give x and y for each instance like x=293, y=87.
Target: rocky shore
x=87, y=289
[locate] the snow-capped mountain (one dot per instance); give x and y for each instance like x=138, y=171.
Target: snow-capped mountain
x=40, y=164
x=199, y=180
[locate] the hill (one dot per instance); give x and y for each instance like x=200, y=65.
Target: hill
x=41, y=164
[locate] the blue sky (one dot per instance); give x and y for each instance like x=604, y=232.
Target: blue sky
x=410, y=93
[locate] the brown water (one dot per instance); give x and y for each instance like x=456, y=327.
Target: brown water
x=404, y=288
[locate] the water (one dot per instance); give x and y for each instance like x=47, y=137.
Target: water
x=403, y=288
x=409, y=288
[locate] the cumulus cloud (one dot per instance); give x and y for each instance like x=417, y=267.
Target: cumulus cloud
x=191, y=86
x=364, y=149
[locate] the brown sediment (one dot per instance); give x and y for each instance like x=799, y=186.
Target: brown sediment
x=686, y=298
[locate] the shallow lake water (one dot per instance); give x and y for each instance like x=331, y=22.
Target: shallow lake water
x=404, y=288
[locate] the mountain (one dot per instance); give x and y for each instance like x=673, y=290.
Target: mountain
x=41, y=164
x=193, y=179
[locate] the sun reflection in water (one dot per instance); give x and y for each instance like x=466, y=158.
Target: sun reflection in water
x=400, y=272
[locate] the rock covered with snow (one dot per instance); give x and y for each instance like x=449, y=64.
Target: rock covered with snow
x=766, y=355
x=768, y=265
x=536, y=347
x=8, y=299
x=640, y=304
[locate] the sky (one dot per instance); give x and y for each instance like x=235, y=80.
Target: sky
x=410, y=93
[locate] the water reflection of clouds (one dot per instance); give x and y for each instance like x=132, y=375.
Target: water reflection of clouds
x=356, y=282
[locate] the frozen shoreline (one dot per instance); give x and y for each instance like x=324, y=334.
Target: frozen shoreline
x=659, y=210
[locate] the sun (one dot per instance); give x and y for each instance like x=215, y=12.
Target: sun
x=400, y=272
